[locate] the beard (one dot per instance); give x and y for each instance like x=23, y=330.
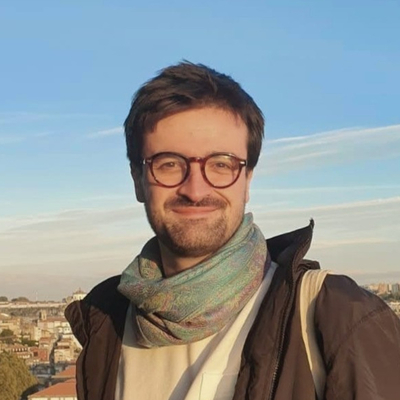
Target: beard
x=196, y=237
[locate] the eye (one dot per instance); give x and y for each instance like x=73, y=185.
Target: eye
x=168, y=163
x=221, y=165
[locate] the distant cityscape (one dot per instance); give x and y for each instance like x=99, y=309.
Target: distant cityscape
x=39, y=334
x=389, y=292
x=384, y=288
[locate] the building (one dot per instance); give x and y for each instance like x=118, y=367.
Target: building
x=55, y=325
x=60, y=391
x=395, y=306
x=34, y=332
x=21, y=351
x=65, y=350
x=12, y=323
x=68, y=374
x=383, y=288
x=395, y=288
x=78, y=295
x=39, y=355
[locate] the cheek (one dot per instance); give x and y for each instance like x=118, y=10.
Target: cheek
x=237, y=197
x=156, y=197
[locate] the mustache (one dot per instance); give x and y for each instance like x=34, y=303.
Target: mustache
x=185, y=202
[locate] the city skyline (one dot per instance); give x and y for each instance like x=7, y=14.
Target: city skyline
x=324, y=75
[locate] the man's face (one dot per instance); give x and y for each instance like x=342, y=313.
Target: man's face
x=194, y=219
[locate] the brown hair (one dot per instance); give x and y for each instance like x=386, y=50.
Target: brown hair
x=186, y=86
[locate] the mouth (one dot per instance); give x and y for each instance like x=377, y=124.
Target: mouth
x=194, y=212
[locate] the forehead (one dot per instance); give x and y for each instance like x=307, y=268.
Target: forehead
x=198, y=132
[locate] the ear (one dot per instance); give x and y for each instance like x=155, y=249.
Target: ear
x=249, y=176
x=137, y=177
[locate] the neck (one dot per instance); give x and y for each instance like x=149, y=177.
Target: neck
x=173, y=264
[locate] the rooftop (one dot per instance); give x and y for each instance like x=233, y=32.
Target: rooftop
x=63, y=389
x=69, y=372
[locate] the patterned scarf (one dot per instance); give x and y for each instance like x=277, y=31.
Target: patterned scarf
x=199, y=301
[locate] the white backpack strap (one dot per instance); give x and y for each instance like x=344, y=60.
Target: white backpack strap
x=310, y=287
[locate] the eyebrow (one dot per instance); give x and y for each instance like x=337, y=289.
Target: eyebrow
x=203, y=156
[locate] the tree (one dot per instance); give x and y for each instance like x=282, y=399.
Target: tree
x=3, y=298
x=7, y=335
x=29, y=342
x=6, y=332
x=20, y=299
x=15, y=378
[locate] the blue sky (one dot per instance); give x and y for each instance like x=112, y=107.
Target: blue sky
x=325, y=74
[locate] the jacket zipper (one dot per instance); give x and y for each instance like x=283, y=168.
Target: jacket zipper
x=283, y=329
x=282, y=340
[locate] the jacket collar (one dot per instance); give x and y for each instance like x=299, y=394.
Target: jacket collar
x=290, y=248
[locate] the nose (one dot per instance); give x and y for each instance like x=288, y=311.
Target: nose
x=195, y=187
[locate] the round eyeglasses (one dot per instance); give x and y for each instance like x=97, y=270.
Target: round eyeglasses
x=219, y=170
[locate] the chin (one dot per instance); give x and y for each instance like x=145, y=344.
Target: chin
x=192, y=244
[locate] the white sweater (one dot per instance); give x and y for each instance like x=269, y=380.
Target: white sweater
x=203, y=370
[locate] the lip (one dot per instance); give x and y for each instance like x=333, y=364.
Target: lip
x=194, y=211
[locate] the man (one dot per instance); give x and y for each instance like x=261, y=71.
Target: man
x=209, y=309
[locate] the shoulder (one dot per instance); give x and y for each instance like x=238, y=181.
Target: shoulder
x=345, y=312
x=102, y=296
x=103, y=301
x=342, y=291
x=105, y=294
x=359, y=338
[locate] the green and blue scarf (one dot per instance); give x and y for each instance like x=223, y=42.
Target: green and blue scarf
x=197, y=302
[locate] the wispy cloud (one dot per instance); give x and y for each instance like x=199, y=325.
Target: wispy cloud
x=362, y=235
x=78, y=243
x=70, y=220
x=110, y=197
x=42, y=134
x=106, y=132
x=18, y=138
x=372, y=221
x=359, y=205
x=10, y=139
x=96, y=243
x=52, y=285
x=21, y=116
x=339, y=146
x=320, y=189
x=103, y=234
x=26, y=116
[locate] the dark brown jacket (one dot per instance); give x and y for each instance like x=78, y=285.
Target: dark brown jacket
x=358, y=335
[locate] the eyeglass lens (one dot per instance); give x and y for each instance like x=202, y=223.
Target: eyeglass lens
x=171, y=169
